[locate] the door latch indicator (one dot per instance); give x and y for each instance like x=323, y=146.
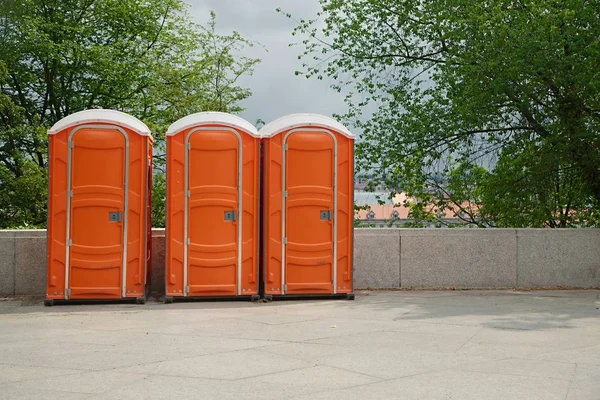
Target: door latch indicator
x=115, y=216
x=325, y=215
x=230, y=215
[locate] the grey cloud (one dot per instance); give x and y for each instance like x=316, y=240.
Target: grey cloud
x=276, y=90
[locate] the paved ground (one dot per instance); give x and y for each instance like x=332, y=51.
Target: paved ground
x=384, y=345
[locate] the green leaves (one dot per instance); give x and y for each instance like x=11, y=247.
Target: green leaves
x=147, y=58
x=23, y=196
x=469, y=96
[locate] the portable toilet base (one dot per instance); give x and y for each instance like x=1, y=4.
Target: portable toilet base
x=191, y=299
x=134, y=300
x=340, y=296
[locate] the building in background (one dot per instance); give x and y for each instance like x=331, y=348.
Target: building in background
x=378, y=210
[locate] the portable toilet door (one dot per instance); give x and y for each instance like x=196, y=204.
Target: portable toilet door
x=212, y=208
x=98, y=207
x=308, y=181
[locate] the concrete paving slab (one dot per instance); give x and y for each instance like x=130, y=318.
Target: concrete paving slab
x=224, y=366
x=524, y=367
x=588, y=389
x=231, y=327
x=45, y=353
x=308, y=380
x=586, y=384
x=435, y=328
x=159, y=387
x=242, y=328
x=378, y=309
x=514, y=318
x=33, y=393
x=405, y=344
x=120, y=321
x=402, y=341
x=21, y=373
x=279, y=319
x=499, y=351
x=387, y=363
x=88, y=357
x=95, y=382
x=454, y=384
x=19, y=333
x=586, y=355
x=308, y=351
x=587, y=371
x=164, y=345
x=564, y=338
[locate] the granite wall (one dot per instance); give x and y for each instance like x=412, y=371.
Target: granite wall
x=388, y=258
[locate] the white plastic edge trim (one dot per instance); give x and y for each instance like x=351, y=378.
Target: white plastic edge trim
x=104, y=116
x=303, y=120
x=209, y=118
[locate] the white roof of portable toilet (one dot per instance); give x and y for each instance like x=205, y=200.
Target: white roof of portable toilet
x=296, y=120
x=210, y=118
x=104, y=116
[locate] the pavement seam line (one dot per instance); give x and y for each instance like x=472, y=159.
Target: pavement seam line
x=266, y=349
x=571, y=382
x=186, y=358
x=72, y=372
x=229, y=380
x=519, y=375
x=561, y=350
x=469, y=340
x=352, y=371
x=280, y=324
x=384, y=380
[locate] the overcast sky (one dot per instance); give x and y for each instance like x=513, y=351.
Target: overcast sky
x=276, y=91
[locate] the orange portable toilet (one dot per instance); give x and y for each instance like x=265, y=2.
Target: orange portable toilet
x=100, y=177
x=212, y=208
x=308, y=190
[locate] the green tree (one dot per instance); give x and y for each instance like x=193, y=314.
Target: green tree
x=144, y=57
x=494, y=104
